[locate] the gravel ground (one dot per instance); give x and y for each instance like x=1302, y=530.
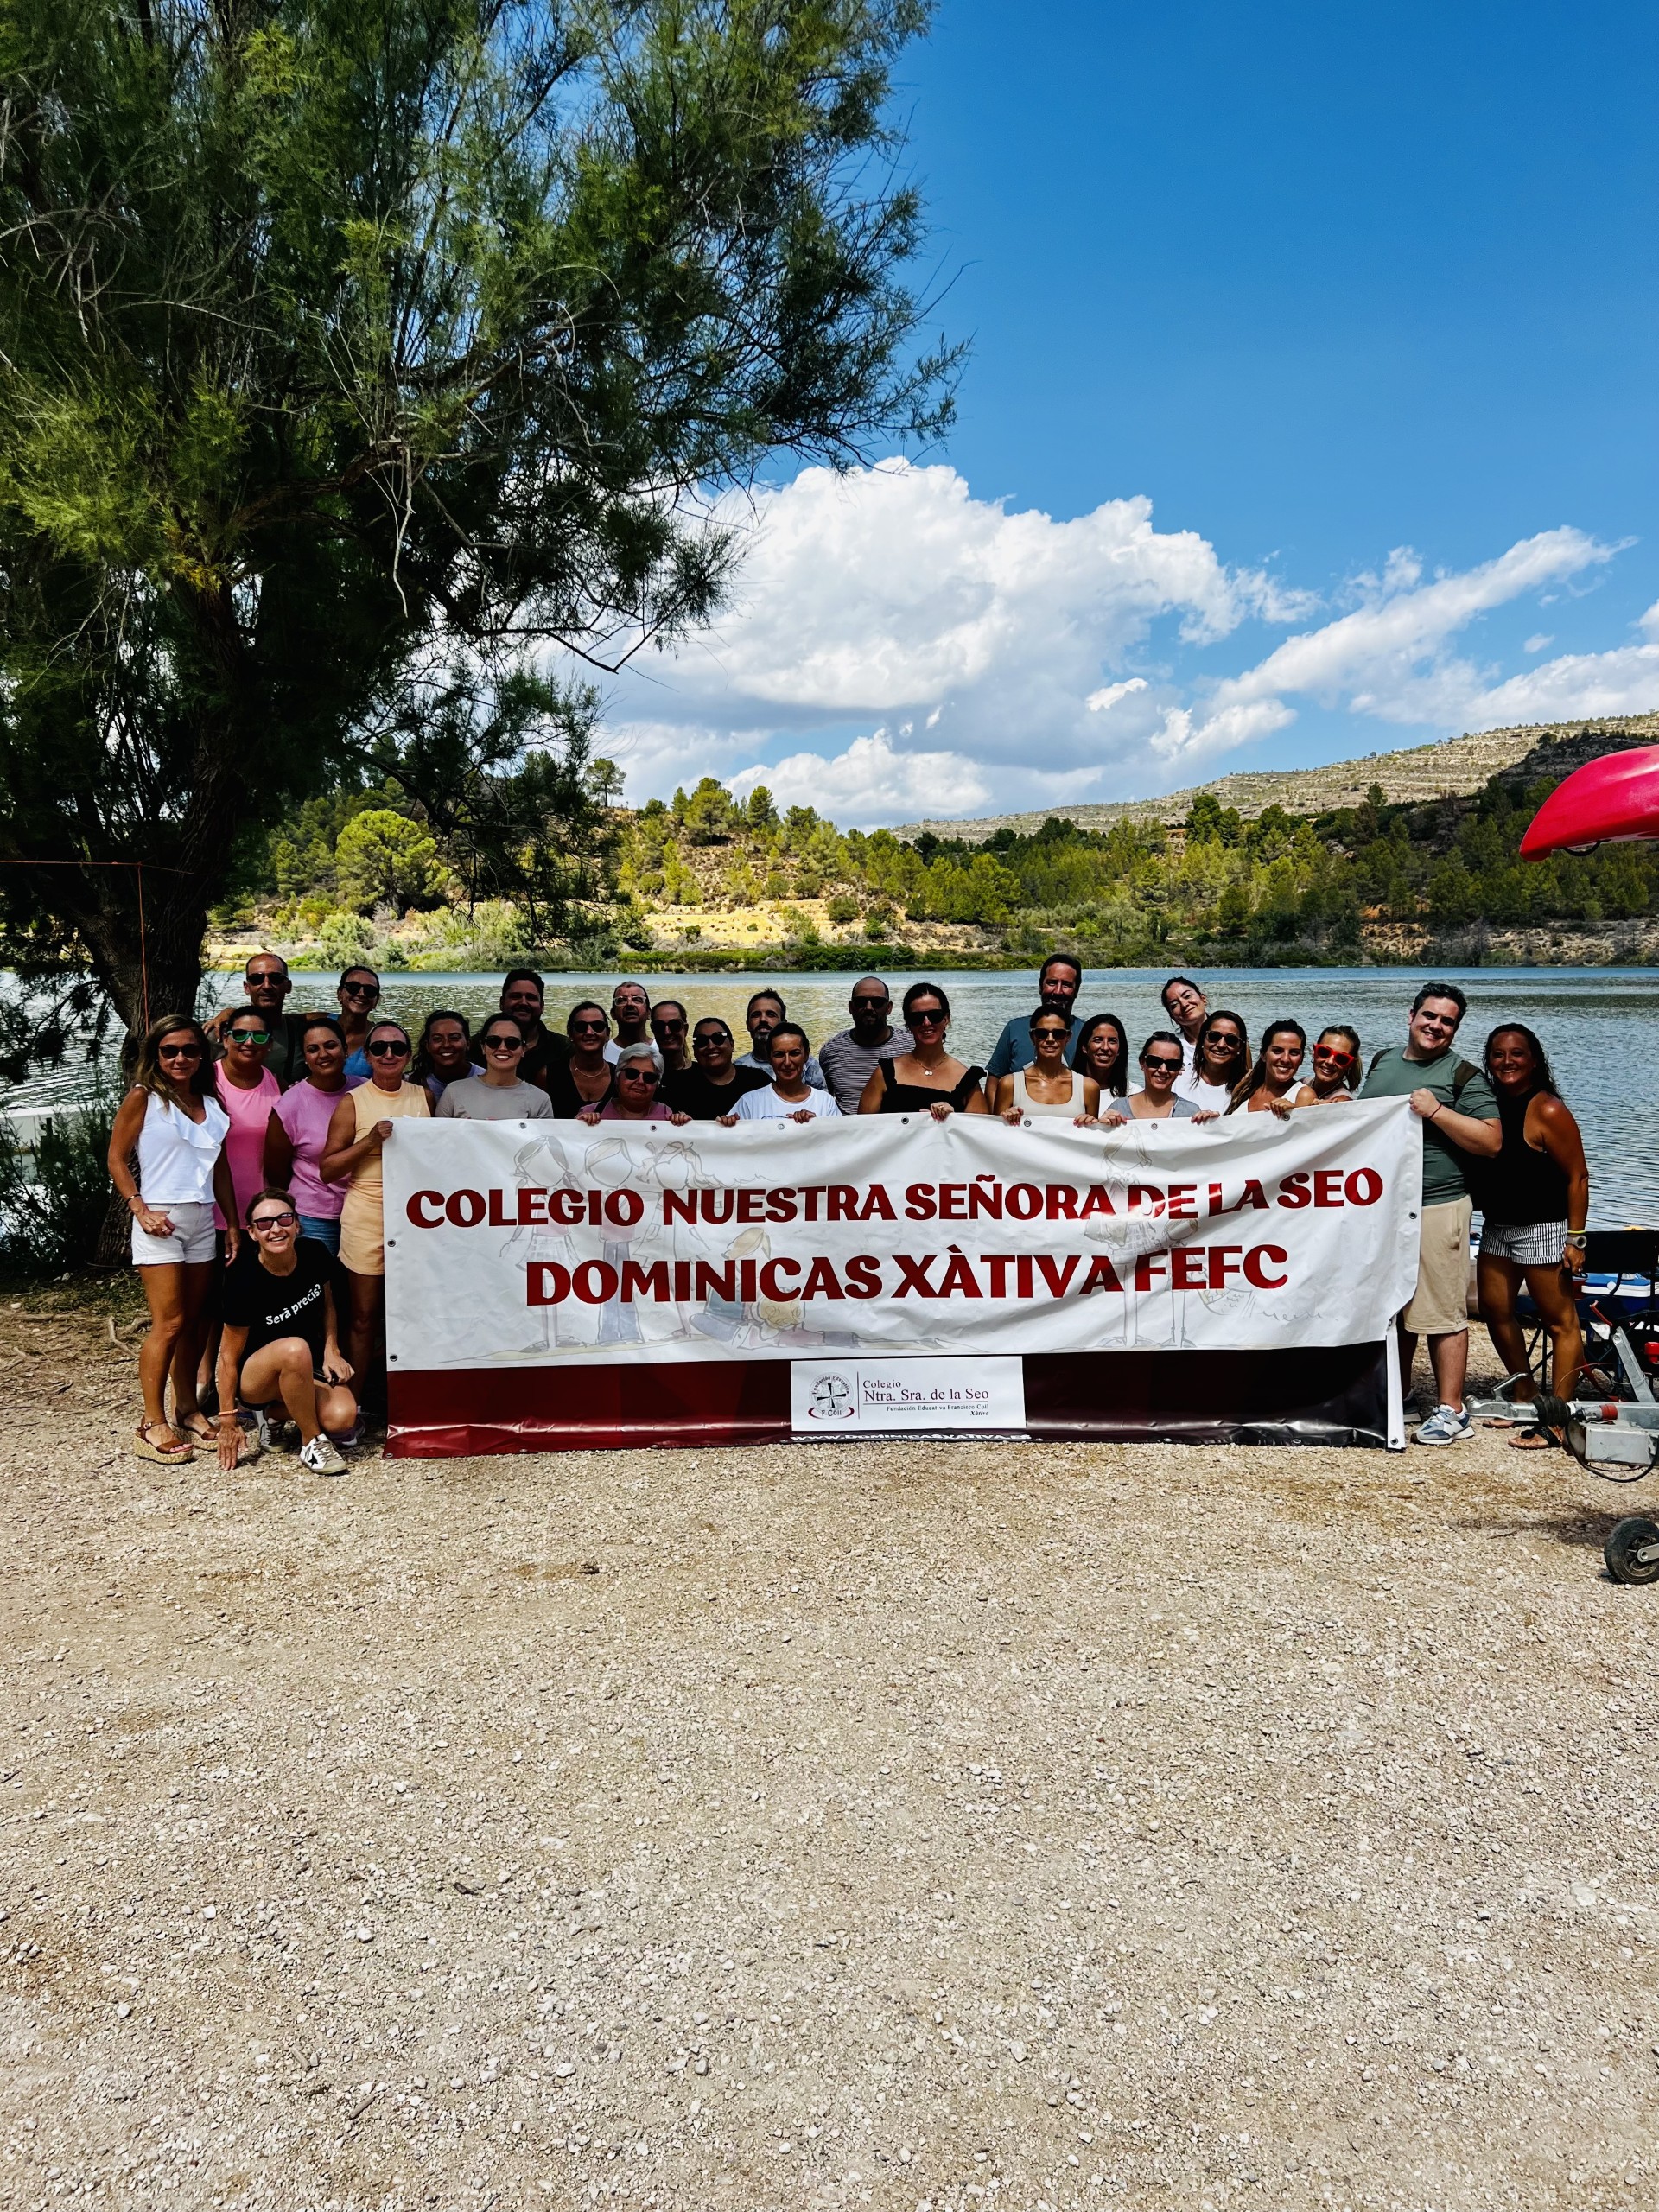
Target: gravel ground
x=1008, y=1827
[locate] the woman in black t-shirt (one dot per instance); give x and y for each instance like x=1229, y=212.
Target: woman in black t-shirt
x=281, y=1338
x=714, y=1084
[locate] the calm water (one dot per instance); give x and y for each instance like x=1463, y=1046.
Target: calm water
x=1600, y=1026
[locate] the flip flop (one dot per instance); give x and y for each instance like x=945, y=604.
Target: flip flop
x=164, y=1455
x=1532, y=1439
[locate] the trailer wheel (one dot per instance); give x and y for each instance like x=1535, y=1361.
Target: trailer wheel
x=1631, y=1550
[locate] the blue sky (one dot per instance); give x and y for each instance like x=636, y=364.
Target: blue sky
x=1361, y=301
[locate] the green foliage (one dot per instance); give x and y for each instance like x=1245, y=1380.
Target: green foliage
x=345, y=346
x=52, y=1202
x=382, y=856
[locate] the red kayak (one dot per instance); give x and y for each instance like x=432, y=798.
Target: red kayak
x=1606, y=802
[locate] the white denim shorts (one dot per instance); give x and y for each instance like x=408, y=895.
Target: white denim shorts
x=192, y=1239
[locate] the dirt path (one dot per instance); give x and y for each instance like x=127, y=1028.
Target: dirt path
x=1119, y=1826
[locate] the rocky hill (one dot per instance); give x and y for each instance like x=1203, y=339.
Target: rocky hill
x=1456, y=765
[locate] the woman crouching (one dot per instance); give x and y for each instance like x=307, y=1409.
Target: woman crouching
x=280, y=1340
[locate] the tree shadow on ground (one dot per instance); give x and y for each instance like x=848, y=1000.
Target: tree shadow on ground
x=1584, y=1530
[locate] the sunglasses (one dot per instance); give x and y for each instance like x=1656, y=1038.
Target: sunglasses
x=1324, y=1053
x=389, y=1048
x=932, y=1017
x=178, y=1052
x=710, y=1039
x=273, y=1221
x=590, y=1028
x=250, y=1036
x=274, y=978
x=359, y=990
x=873, y=1005
x=1164, y=1067
x=1050, y=1033
x=1222, y=1040
x=666, y=1021
x=498, y=1041
x=635, y=1074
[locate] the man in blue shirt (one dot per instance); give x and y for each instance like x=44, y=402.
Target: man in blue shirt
x=1058, y=981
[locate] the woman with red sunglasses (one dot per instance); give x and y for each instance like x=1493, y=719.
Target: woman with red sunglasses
x=1336, y=1068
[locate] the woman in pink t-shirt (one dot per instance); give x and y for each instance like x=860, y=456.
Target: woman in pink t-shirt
x=247, y=1090
x=299, y=1132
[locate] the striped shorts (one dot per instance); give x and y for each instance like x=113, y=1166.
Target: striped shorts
x=1527, y=1244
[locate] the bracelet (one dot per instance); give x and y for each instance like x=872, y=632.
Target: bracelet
x=1435, y=1115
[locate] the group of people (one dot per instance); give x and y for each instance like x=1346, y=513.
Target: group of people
x=274, y=1121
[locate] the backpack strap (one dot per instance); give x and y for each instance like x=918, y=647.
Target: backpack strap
x=1377, y=1060
x=1462, y=1074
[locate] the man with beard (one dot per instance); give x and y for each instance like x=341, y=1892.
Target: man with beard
x=1058, y=981
x=547, y=1055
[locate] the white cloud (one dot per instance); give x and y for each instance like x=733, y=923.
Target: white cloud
x=897, y=646
x=1102, y=702
x=1389, y=659
x=870, y=782
x=1537, y=641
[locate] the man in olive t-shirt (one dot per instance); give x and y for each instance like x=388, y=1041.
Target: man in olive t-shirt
x=1460, y=1118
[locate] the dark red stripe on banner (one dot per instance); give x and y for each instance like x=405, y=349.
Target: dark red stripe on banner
x=452, y=1414
x=1336, y=1396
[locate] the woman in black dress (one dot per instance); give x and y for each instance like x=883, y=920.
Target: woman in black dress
x=925, y=1079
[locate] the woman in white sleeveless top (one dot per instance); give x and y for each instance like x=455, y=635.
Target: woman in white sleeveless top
x=172, y=1124
x=1047, y=1090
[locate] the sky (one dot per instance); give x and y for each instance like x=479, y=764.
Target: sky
x=1310, y=411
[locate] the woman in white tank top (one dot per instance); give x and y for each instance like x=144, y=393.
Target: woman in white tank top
x=172, y=1123
x=1047, y=1090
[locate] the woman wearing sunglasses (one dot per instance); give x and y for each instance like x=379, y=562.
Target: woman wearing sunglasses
x=1046, y=1090
x=361, y=1125
x=248, y=1091
x=499, y=1094
x=1336, y=1067
x=279, y=1348
x=925, y=1079
x=358, y=994
x=584, y=1079
x=634, y=1097
x=713, y=1083
x=1270, y=1086
x=1162, y=1059
x=172, y=1123
x=1221, y=1057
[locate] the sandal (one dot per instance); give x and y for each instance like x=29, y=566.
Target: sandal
x=1532, y=1439
x=164, y=1455
x=207, y=1436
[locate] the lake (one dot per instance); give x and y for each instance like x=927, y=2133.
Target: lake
x=1599, y=1025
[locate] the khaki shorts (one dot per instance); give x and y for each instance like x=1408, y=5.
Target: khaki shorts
x=1440, y=1304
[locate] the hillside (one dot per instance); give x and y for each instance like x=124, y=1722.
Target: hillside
x=1456, y=766
x=1399, y=856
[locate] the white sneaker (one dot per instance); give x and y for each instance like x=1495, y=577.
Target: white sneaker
x=320, y=1456
x=1446, y=1426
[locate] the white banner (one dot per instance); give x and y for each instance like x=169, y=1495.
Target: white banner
x=549, y=1244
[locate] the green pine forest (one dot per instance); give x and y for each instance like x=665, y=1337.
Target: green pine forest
x=709, y=880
